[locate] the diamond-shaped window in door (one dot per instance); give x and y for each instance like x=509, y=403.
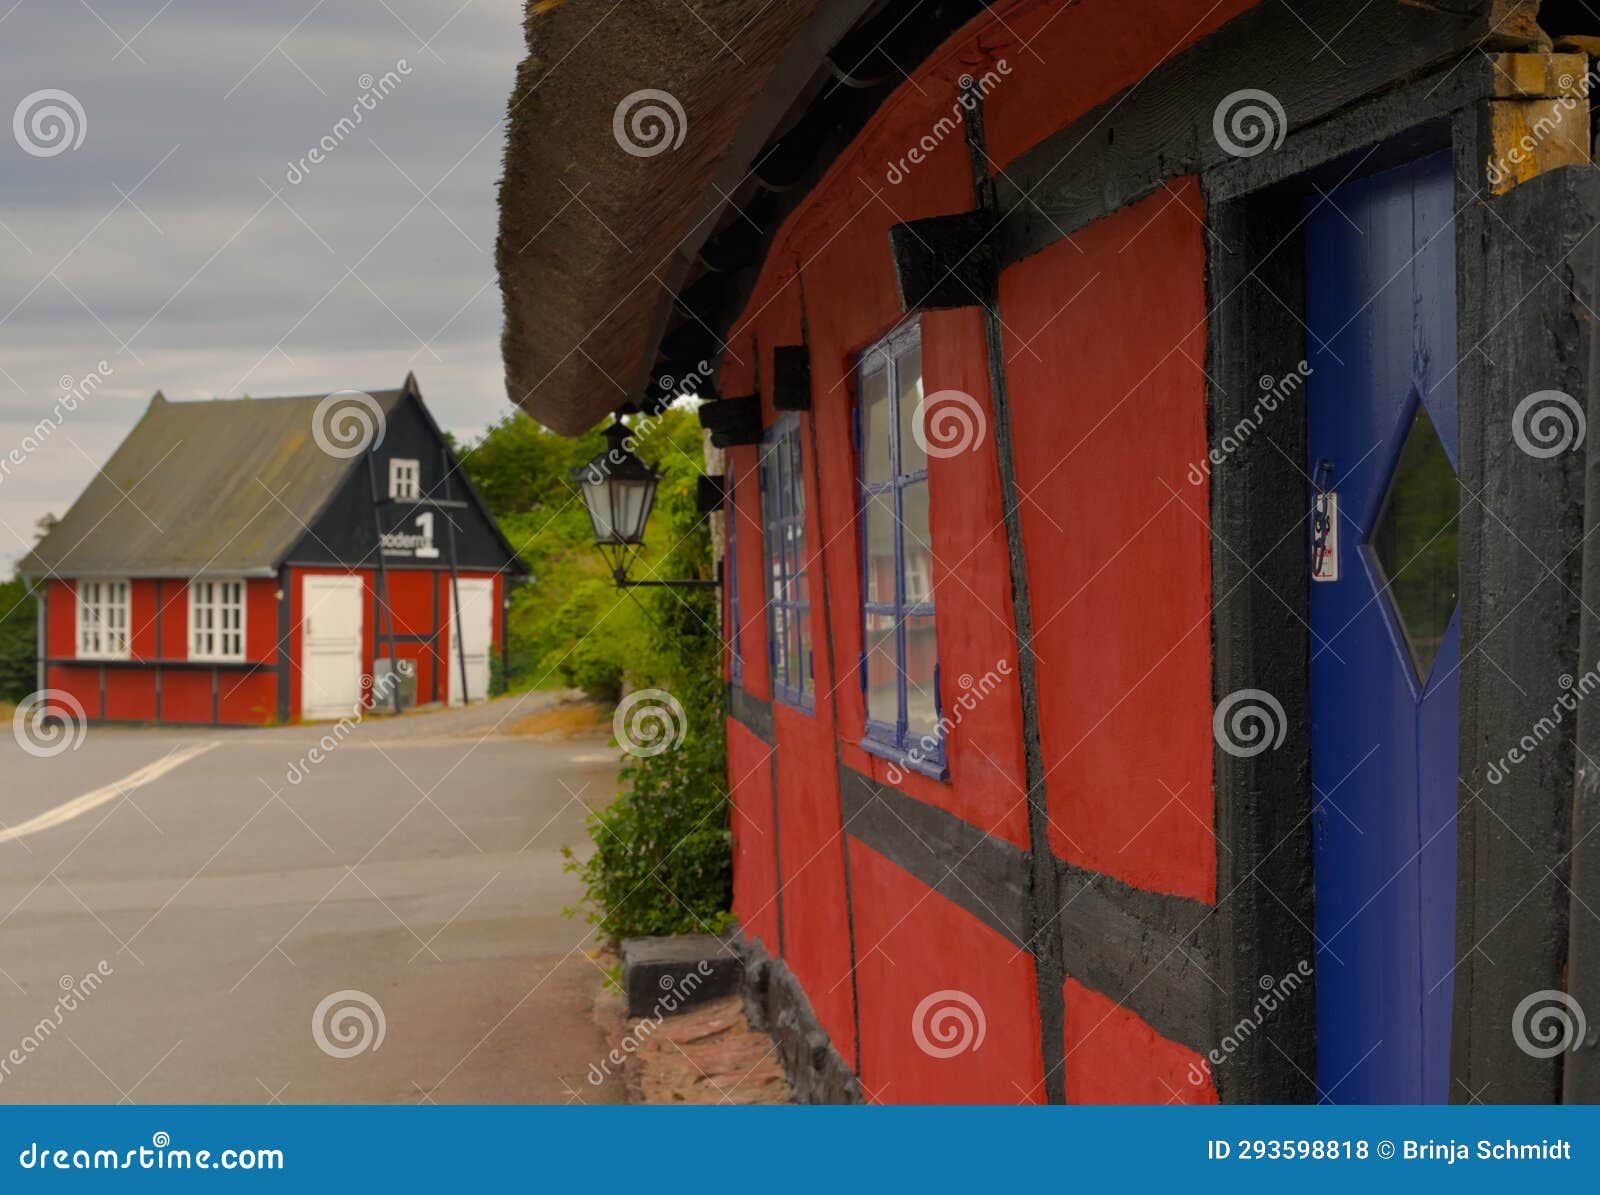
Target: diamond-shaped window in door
x=1416, y=541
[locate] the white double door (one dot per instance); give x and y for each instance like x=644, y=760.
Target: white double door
x=471, y=635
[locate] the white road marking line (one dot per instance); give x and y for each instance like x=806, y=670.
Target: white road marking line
x=78, y=806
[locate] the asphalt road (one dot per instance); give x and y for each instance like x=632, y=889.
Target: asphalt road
x=217, y=905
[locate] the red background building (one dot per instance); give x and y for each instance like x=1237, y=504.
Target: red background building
x=224, y=566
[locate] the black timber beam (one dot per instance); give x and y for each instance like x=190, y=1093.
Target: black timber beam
x=944, y=261
x=791, y=377
x=732, y=421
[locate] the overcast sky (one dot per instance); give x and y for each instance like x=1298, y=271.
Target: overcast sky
x=190, y=244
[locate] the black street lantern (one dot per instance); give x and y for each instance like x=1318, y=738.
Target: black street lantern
x=619, y=491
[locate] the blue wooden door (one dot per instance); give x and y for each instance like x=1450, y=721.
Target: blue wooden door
x=1384, y=459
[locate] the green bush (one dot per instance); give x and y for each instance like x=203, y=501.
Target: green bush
x=18, y=641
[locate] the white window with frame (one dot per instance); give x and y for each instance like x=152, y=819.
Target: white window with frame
x=405, y=478
x=216, y=620
x=103, y=620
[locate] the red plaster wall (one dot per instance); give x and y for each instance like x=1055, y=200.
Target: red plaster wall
x=173, y=615
x=1116, y=539
x=82, y=683
x=755, y=878
x=1108, y=669
x=130, y=694
x=142, y=612
x=1113, y=1057
x=186, y=695
x=911, y=943
x=61, y=631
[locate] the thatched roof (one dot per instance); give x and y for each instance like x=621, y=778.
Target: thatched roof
x=596, y=241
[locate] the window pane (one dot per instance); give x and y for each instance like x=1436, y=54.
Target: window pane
x=875, y=426
x=918, y=554
x=883, y=677
x=796, y=471
x=921, y=656
x=880, y=547
x=792, y=650
x=807, y=671
x=908, y=390
x=775, y=627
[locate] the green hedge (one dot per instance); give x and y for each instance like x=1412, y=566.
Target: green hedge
x=18, y=641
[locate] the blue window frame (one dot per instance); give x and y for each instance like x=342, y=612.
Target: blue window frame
x=735, y=648
x=899, y=659
x=783, y=519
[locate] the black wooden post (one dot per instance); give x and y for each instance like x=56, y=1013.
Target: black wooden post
x=385, y=614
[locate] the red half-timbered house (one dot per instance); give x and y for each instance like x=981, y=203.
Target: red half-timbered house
x=1143, y=560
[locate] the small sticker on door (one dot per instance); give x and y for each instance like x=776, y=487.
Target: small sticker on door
x=1325, y=537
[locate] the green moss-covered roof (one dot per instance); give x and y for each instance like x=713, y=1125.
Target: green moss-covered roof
x=221, y=487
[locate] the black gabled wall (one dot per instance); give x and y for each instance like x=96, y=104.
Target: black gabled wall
x=343, y=532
